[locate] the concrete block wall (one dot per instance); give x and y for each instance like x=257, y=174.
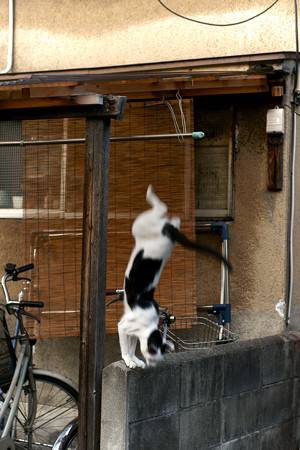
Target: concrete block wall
x=241, y=396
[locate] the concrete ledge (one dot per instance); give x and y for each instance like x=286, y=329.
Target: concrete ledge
x=232, y=397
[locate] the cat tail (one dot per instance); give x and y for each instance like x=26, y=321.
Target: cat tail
x=177, y=236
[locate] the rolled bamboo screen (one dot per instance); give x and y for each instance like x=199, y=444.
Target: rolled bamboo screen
x=53, y=201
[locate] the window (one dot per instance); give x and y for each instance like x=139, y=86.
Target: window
x=213, y=162
x=11, y=170
x=39, y=180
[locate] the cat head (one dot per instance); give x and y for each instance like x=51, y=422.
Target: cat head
x=156, y=348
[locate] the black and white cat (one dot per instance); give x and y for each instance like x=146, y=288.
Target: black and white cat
x=155, y=236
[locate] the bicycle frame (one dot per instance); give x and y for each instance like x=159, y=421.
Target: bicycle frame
x=13, y=395
x=23, y=368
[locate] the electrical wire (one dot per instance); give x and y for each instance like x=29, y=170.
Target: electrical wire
x=180, y=105
x=217, y=24
x=297, y=44
x=176, y=126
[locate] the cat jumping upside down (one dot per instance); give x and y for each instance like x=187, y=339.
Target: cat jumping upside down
x=155, y=237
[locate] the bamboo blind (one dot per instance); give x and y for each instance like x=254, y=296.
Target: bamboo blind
x=53, y=201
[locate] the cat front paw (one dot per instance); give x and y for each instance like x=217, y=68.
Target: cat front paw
x=133, y=362
x=139, y=362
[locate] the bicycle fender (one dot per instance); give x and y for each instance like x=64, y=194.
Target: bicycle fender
x=56, y=375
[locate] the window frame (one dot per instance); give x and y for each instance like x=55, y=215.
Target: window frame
x=19, y=213
x=226, y=214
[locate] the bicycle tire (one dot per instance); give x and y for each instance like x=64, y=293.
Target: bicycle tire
x=68, y=439
x=57, y=405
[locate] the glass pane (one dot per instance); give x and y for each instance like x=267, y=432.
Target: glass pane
x=213, y=164
x=11, y=167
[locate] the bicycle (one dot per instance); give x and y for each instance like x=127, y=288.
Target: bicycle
x=35, y=405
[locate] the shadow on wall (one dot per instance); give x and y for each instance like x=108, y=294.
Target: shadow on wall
x=61, y=355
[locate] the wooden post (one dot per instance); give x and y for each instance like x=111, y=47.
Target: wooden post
x=92, y=322
x=93, y=281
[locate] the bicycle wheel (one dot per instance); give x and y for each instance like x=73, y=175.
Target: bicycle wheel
x=68, y=438
x=56, y=406
x=71, y=443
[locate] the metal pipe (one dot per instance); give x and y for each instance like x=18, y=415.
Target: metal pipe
x=41, y=142
x=10, y=44
x=291, y=219
x=194, y=135
x=224, y=275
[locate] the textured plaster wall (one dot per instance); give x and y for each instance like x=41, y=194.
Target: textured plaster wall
x=257, y=245
x=91, y=33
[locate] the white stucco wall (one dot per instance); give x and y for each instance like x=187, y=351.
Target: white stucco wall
x=67, y=34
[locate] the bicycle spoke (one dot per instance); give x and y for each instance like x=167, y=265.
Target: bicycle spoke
x=59, y=415
x=64, y=405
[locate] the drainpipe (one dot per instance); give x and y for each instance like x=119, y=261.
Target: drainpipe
x=10, y=38
x=291, y=220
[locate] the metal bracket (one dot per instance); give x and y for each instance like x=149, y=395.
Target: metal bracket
x=223, y=312
x=297, y=98
x=220, y=228
x=114, y=106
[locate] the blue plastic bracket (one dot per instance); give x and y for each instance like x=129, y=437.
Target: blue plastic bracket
x=223, y=312
x=220, y=228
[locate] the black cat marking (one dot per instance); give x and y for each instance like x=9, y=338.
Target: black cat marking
x=140, y=279
x=154, y=342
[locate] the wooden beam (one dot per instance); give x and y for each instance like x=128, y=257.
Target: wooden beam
x=225, y=63
x=88, y=105
x=46, y=102
x=208, y=82
x=151, y=87
x=196, y=93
